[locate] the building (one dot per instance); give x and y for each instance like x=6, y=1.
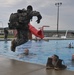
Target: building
x=53, y=33
x=48, y=33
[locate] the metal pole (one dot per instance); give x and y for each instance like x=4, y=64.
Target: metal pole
x=58, y=5
x=43, y=28
x=57, y=21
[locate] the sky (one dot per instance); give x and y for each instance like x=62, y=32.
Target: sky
x=47, y=9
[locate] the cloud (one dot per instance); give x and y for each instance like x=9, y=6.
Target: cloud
x=47, y=9
x=7, y=3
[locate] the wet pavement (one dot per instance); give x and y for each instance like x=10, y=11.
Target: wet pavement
x=14, y=67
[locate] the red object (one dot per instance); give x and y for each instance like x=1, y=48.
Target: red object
x=36, y=32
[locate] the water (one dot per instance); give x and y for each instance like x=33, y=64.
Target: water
x=40, y=51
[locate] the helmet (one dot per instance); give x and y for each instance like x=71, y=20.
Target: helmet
x=30, y=7
x=57, y=57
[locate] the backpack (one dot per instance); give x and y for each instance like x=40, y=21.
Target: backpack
x=13, y=21
x=18, y=20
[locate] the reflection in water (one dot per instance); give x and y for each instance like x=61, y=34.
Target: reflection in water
x=5, y=46
x=56, y=47
x=5, y=41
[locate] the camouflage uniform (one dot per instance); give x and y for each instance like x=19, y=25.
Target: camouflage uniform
x=57, y=65
x=20, y=21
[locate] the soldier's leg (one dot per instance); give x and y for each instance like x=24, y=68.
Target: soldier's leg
x=13, y=45
x=21, y=39
x=49, y=64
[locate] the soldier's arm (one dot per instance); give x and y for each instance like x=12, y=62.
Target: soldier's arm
x=35, y=13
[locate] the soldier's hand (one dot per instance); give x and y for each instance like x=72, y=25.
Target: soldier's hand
x=38, y=21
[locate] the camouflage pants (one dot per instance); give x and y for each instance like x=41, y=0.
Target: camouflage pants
x=22, y=37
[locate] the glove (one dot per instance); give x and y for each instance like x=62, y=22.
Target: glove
x=38, y=21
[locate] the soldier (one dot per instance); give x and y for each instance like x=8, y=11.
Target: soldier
x=55, y=63
x=20, y=21
x=5, y=33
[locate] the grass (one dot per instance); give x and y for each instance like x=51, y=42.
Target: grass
x=9, y=36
